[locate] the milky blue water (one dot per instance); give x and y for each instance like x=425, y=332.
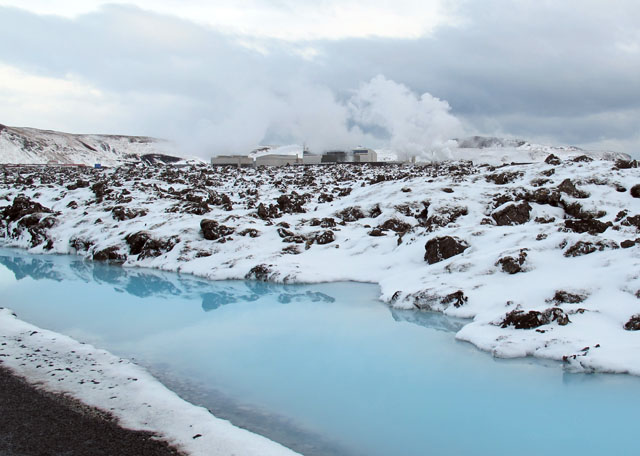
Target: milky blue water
x=325, y=369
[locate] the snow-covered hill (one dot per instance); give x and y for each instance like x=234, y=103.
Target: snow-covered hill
x=497, y=151
x=33, y=146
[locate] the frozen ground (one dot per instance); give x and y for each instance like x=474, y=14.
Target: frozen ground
x=543, y=257
x=99, y=379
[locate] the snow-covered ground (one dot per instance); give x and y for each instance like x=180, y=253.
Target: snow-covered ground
x=99, y=379
x=551, y=247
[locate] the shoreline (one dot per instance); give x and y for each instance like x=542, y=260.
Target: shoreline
x=129, y=393
x=34, y=421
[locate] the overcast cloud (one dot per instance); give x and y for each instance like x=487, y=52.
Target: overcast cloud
x=225, y=78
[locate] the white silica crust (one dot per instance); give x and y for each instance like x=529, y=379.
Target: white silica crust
x=127, y=391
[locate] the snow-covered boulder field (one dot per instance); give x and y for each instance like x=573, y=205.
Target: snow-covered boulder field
x=542, y=257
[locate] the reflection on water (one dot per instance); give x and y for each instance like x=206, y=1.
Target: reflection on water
x=156, y=284
x=325, y=369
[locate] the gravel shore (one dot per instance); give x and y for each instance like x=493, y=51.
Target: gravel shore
x=34, y=422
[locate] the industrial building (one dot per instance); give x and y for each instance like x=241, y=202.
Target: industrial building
x=360, y=155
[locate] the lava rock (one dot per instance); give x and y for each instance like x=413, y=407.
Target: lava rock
x=503, y=178
x=565, y=297
x=633, y=324
x=585, y=247
x=266, y=213
x=292, y=204
x=396, y=225
x=568, y=187
x=251, y=232
x=111, y=255
x=325, y=237
x=513, y=214
x=590, y=226
x=552, y=160
x=212, y=230
x=441, y=248
x=457, y=298
x=512, y=265
x=122, y=213
x=350, y=214
x=533, y=319
x=261, y=272
x=326, y=222
x=22, y=206
x=635, y=191
x=144, y=245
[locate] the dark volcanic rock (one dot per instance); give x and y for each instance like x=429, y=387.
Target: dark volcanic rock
x=396, y=225
x=251, y=232
x=635, y=191
x=552, y=160
x=122, y=213
x=457, y=298
x=110, y=255
x=503, y=178
x=513, y=265
x=576, y=210
x=633, y=324
x=568, y=187
x=585, y=247
x=376, y=232
x=533, y=319
x=626, y=164
x=145, y=246
x=37, y=225
x=350, y=214
x=80, y=244
x=212, y=230
x=634, y=220
x=22, y=206
x=292, y=204
x=326, y=222
x=261, y=272
x=565, y=297
x=543, y=196
x=441, y=248
x=78, y=184
x=325, y=237
x=266, y=213
x=590, y=226
x=513, y=214
x=442, y=217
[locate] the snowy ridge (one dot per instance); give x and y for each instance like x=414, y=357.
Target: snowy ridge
x=543, y=257
x=33, y=146
x=498, y=151
x=99, y=379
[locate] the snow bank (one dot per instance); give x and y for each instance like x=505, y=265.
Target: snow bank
x=99, y=379
x=553, y=243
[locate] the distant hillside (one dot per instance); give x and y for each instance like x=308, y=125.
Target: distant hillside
x=33, y=146
x=489, y=149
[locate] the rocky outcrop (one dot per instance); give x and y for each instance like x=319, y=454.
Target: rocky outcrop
x=533, y=318
x=512, y=214
x=146, y=246
x=441, y=248
x=212, y=230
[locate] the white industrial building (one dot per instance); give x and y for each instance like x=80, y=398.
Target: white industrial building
x=294, y=156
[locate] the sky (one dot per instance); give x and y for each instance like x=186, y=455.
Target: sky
x=225, y=76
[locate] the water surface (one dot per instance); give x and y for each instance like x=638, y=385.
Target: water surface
x=324, y=369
